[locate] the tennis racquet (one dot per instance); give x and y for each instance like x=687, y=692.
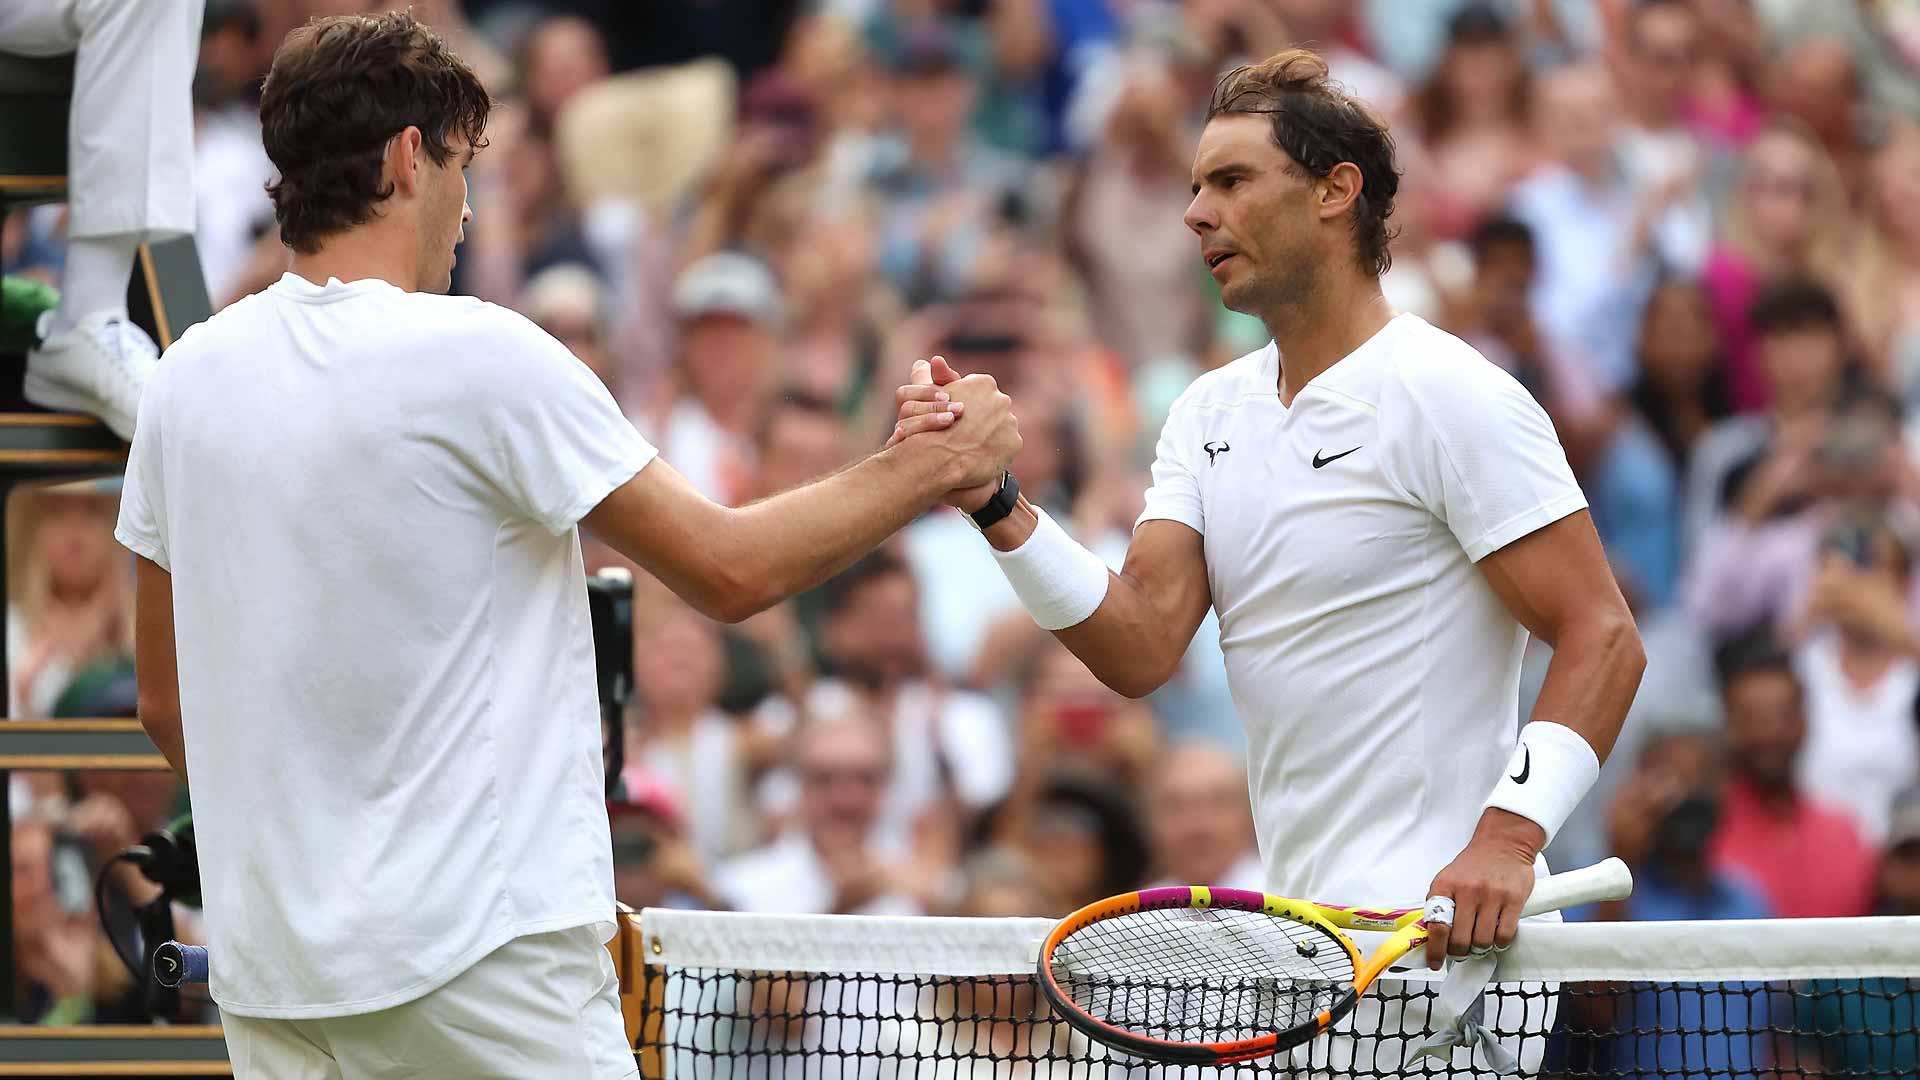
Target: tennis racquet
x=1191, y=975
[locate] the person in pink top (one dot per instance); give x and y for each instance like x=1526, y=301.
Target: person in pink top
x=1807, y=857
x=1788, y=218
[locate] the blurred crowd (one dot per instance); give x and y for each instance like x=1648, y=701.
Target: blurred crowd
x=1690, y=227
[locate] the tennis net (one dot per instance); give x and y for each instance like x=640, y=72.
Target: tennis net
x=832, y=997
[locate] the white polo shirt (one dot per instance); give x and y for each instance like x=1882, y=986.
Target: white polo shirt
x=366, y=499
x=1375, y=669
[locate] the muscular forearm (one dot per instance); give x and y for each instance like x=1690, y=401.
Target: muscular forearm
x=783, y=545
x=1128, y=643
x=1592, y=678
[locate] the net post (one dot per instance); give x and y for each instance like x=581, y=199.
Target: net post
x=642, y=996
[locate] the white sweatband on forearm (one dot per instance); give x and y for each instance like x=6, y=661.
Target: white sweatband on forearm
x=1551, y=771
x=1059, y=582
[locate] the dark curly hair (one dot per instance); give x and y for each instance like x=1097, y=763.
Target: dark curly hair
x=1319, y=125
x=339, y=89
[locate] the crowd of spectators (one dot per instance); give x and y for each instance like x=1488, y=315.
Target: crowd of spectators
x=1690, y=227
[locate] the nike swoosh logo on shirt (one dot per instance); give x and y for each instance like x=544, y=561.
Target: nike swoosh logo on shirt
x=1526, y=765
x=1322, y=462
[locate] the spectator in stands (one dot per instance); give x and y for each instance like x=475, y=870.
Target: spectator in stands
x=729, y=308
x=562, y=56
x=1681, y=390
x=801, y=438
x=1816, y=82
x=1724, y=103
x=1753, y=477
x=1788, y=220
x=55, y=939
x=1082, y=826
x=653, y=865
x=1659, y=53
x=1860, y=663
x=950, y=749
x=567, y=301
x=1806, y=856
x=71, y=601
x=1661, y=820
x=1069, y=715
x=1472, y=114
x=828, y=861
x=840, y=309
x=1677, y=395
x=233, y=218
x=1124, y=206
x=1322, y=24
x=678, y=741
x=1202, y=824
x=1494, y=315
x=1599, y=230
x=1888, y=287
x=940, y=186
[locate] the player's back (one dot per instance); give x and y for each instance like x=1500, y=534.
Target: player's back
x=385, y=661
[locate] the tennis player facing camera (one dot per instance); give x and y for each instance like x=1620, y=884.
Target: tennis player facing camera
x=362, y=615
x=1379, y=516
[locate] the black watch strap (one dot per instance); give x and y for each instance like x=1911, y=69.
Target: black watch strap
x=999, y=506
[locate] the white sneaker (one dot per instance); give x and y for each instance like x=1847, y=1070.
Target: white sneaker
x=99, y=367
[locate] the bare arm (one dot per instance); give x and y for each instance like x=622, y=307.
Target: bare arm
x=1135, y=639
x=732, y=562
x=1556, y=582
x=154, y=666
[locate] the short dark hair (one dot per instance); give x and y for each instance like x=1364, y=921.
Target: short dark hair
x=1500, y=231
x=339, y=89
x=1755, y=652
x=837, y=594
x=1319, y=125
x=1793, y=305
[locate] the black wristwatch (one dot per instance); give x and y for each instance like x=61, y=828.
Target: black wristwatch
x=999, y=506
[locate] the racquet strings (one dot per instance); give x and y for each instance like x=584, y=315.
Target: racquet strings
x=1202, y=975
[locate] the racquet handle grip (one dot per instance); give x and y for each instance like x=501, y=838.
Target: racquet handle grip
x=175, y=964
x=1606, y=880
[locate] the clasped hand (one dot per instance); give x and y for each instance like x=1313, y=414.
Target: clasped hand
x=933, y=404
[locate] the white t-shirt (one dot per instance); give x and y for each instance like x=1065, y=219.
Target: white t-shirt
x=787, y=877
x=366, y=498
x=1375, y=669
x=1862, y=749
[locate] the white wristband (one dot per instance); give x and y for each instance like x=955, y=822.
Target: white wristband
x=1551, y=771
x=1059, y=582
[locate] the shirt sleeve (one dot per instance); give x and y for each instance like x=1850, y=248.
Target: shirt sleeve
x=1175, y=494
x=559, y=443
x=142, y=525
x=1479, y=452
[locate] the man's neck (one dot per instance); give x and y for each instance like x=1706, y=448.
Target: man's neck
x=357, y=255
x=1314, y=337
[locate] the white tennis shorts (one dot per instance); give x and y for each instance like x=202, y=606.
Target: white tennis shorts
x=541, y=1007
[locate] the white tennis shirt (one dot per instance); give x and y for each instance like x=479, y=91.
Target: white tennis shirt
x=366, y=499
x=1375, y=669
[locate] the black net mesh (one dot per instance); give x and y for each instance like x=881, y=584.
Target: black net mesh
x=1262, y=974
x=701, y=1022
